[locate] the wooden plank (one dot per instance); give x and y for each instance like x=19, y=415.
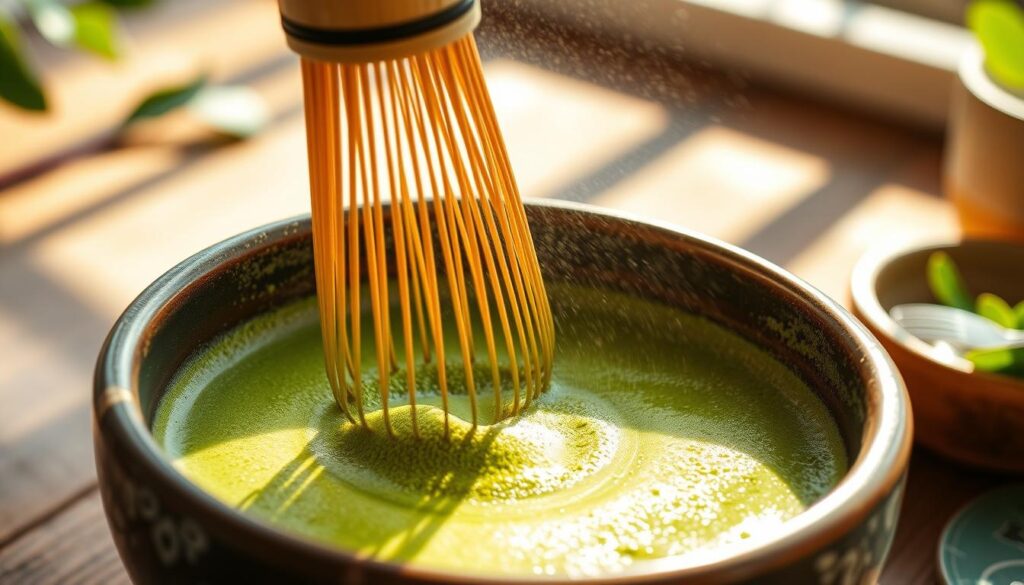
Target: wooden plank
x=702, y=182
x=765, y=171
x=73, y=548
x=936, y=489
x=69, y=266
x=903, y=208
x=579, y=115
x=532, y=102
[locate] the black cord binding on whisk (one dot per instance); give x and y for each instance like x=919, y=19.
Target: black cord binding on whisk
x=367, y=36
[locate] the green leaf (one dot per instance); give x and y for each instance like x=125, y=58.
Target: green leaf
x=999, y=26
x=236, y=111
x=1007, y=361
x=166, y=100
x=18, y=85
x=53, y=20
x=96, y=29
x=91, y=26
x=995, y=309
x=945, y=282
x=992, y=360
x=1019, y=311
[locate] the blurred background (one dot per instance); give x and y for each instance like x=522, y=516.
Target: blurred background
x=803, y=130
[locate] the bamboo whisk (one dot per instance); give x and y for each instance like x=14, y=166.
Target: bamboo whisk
x=397, y=109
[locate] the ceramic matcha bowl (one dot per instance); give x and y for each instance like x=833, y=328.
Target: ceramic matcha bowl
x=168, y=530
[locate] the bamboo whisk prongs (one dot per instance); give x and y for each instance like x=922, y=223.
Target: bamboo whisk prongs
x=442, y=287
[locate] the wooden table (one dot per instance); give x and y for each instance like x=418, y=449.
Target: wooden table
x=803, y=184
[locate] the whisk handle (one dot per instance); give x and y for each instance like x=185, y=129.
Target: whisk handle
x=371, y=30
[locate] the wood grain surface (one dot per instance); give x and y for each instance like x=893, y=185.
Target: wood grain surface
x=87, y=220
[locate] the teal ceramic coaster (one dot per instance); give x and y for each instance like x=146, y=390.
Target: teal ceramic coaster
x=984, y=543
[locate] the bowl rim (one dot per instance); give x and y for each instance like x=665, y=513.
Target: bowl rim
x=864, y=296
x=873, y=475
x=976, y=79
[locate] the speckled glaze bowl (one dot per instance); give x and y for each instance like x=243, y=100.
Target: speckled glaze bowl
x=169, y=531
x=972, y=417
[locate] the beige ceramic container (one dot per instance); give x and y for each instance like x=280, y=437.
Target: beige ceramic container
x=973, y=417
x=985, y=153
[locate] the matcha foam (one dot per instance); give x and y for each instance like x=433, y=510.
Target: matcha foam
x=541, y=453
x=662, y=434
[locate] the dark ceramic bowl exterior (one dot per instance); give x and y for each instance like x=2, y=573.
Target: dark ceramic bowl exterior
x=169, y=531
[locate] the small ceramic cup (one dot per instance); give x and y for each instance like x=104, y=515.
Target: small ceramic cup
x=169, y=531
x=984, y=173
x=972, y=417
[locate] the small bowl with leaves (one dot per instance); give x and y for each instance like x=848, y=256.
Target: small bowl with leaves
x=968, y=405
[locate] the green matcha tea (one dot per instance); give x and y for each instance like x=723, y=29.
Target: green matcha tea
x=661, y=434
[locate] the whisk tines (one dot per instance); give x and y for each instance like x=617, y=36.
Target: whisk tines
x=420, y=131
